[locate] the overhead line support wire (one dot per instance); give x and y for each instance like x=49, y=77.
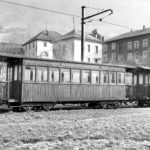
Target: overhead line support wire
x=33, y=7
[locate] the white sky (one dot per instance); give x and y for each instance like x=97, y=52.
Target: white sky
x=25, y=22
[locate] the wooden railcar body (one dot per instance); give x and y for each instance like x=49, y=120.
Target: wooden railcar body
x=22, y=92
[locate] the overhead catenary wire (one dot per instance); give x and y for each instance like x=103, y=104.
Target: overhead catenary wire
x=43, y=9
x=62, y=13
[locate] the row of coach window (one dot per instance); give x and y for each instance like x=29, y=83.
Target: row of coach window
x=45, y=74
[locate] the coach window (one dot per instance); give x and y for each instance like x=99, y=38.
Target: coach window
x=140, y=78
x=112, y=77
x=146, y=78
x=120, y=78
x=135, y=79
x=95, y=77
x=104, y=77
x=75, y=76
x=65, y=75
x=42, y=74
x=86, y=76
x=54, y=74
x=29, y=73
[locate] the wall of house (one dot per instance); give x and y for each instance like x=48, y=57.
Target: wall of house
x=37, y=49
x=89, y=56
x=44, y=51
x=64, y=49
x=30, y=49
x=122, y=50
x=72, y=50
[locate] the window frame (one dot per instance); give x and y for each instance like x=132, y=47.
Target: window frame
x=60, y=74
x=47, y=74
x=82, y=76
x=145, y=43
x=113, y=46
x=123, y=78
x=129, y=45
x=25, y=76
x=114, y=78
x=104, y=83
x=98, y=77
x=76, y=69
x=136, y=45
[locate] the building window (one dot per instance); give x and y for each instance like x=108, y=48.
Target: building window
x=129, y=45
x=86, y=78
x=45, y=44
x=88, y=48
x=30, y=73
x=112, y=77
x=145, y=54
x=75, y=76
x=113, y=46
x=104, y=77
x=41, y=74
x=120, y=78
x=136, y=44
x=105, y=57
x=145, y=43
x=53, y=74
x=96, y=49
x=95, y=77
x=136, y=56
x=64, y=47
x=88, y=59
x=129, y=56
x=105, y=47
x=113, y=56
x=65, y=75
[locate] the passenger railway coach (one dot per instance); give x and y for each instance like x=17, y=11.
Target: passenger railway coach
x=33, y=82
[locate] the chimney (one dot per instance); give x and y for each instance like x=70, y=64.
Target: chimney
x=143, y=27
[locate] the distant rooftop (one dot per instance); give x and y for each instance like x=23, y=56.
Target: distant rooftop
x=44, y=35
x=130, y=34
x=11, y=48
x=77, y=34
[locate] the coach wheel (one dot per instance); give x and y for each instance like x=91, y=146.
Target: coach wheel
x=27, y=108
x=140, y=104
x=48, y=108
x=16, y=109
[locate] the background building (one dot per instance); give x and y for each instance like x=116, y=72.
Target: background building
x=68, y=47
x=129, y=48
x=41, y=45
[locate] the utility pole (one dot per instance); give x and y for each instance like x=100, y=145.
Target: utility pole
x=82, y=34
x=82, y=27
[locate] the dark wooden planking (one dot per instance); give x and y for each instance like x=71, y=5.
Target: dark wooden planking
x=69, y=92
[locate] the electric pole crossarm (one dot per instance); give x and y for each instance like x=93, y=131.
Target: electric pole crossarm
x=98, y=14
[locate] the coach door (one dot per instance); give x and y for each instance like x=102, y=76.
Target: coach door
x=3, y=81
x=14, y=78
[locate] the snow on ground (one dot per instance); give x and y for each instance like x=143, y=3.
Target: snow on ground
x=85, y=129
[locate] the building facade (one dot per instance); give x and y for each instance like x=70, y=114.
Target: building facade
x=129, y=48
x=68, y=47
x=41, y=45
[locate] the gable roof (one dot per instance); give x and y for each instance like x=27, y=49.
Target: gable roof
x=77, y=34
x=130, y=34
x=44, y=36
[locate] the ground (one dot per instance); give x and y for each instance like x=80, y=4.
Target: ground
x=84, y=129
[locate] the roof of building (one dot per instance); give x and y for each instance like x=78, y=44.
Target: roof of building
x=44, y=36
x=130, y=34
x=77, y=34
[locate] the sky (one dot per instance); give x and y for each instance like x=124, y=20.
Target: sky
x=19, y=24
